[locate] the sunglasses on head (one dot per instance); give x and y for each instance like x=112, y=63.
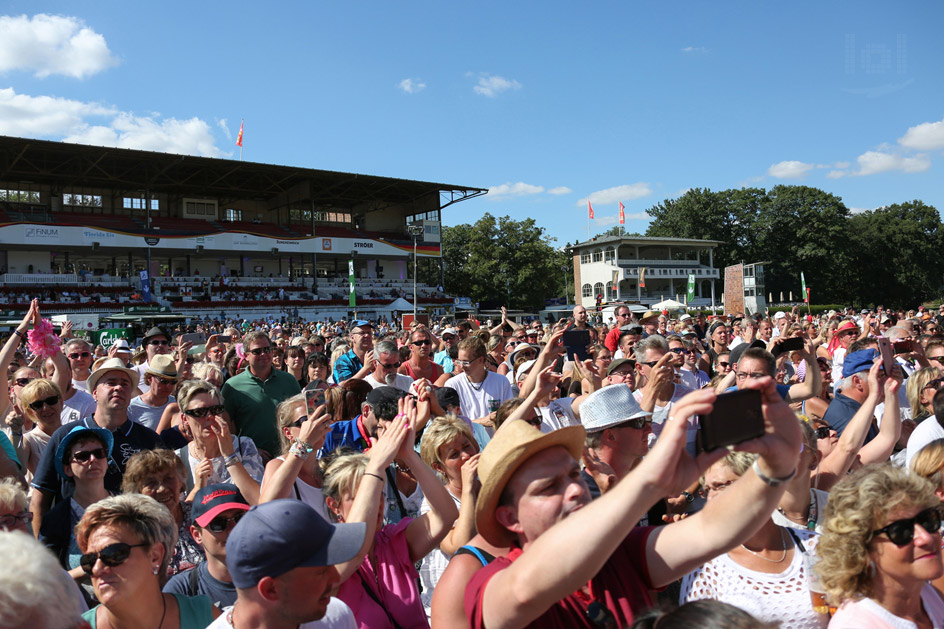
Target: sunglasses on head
x=83, y=456
x=22, y=382
x=200, y=413
x=112, y=555
x=221, y=523
x=901, y=532
x=50, y=401
x=261, y=350
x=76, y=355
x=298, y=422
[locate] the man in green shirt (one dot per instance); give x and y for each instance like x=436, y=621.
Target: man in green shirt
x=251, y=397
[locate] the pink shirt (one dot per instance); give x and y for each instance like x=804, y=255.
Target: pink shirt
x=865, y=613
x=398, y=591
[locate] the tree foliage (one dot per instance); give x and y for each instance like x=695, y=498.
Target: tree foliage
x=882, y=256
x=499, y=256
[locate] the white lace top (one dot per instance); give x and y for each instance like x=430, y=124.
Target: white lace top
x=783, y=597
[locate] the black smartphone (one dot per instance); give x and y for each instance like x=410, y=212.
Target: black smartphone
x=789, y=345
x=576, y=342
x=904, y=347
x=736, y=417
x=224, y=338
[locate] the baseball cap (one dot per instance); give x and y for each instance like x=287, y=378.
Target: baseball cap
x=276, y=537
x=861, y=360
x=451, y=331
x=780, y=314
x=619, y=362
x=608, y=407
x=361, y=323
x=214, y=499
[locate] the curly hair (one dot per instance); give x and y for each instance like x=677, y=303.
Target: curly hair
x=858, y=505
x=438, y=433
x=147, y=462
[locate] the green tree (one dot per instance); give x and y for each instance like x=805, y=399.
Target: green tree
x=498, y=257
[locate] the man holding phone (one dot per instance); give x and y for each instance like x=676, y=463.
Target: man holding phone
x=756, y=362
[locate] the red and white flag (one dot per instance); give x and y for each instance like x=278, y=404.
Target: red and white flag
x=622, y=213
x=239, y=138
x=590, y=208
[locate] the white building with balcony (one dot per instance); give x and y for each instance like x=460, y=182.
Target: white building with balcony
x=611, y=266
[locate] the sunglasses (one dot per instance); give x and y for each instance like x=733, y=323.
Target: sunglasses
x=159, y=343
x=939, y=359
x=261, y=350
x=50, y=401
x=164, y=381
x=221, y=523
x=637, y=423
x=423, y=342
x=391, y=365
x=298, y=422
x=933, y=384
x=901, y=532
x=77, y=355
x=679, y=350
x=112, y=555
x=822, y=432
x=200, y=413
x=22, y=382
x=83, y=456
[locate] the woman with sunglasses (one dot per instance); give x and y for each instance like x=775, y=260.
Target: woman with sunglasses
x=16, y=423
x=161, y=475
x=420, y=364
x=40, y=402
x=296, y=473
x=83, y=456
x=767, y=575
x=126, y=543
x=921, y=387
x=880, y=547
x=215, y=454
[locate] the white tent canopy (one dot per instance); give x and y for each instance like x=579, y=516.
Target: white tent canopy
x=400, y=304
x=668, y=304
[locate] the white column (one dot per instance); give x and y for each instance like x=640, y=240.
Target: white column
x=712, y=294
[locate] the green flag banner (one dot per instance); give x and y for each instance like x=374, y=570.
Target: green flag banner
x=802, y=283
x=350, y=275
x=105, y=338
x=691, y=287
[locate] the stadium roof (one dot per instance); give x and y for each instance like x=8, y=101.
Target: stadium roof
x=64, y=166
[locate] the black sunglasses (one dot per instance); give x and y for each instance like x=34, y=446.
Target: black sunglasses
x=82, y=456
x=934, y=384
x=200, y=413
x=298, y=422
x=423, y=342
x=52, y=400
x=160, y=343
x=221, y=523
x=76, y=355
x=112, y=555
x=901, y=532
x=261, y=350
x=23, y=381
x=822, y=432
x=638, y=423
x=395, y=365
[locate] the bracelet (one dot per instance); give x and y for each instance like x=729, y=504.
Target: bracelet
x=301, y=450
x=773, y=482
x=232, y=459
x=377, y=476
x=19, y=334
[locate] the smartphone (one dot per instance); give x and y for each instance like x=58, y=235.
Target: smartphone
x=904, y=347
x=224, y=338
x=197, y=338
x=888, y=355
x=789, y=345
x=576, y=342
x=736, y=417
x=313, y=399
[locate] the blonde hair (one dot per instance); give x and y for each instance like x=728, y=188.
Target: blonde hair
x=858, y=505
x=916, y=384
x=286, y=417
x=929, y=461
x=344, y=474
x=38, y=389
x=192, y=388
x=12, y=496
x=147, y=462
x=203, y=370
x=33, y=592
x=438, y=433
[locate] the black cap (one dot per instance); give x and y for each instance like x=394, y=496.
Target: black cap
x=737, y=352
x=447, y=396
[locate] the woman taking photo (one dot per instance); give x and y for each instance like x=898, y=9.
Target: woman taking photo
x=881, y=544
x=160, y=474
x=296, y=473
x=126, y=543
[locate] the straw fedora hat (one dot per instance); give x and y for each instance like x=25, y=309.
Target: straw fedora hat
x=511, y=446
x=112, y=364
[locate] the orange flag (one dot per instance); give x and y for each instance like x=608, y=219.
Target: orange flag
x=590, y=208
x=239, y=138
x=622, y=213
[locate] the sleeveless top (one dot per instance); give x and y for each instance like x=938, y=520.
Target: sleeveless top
x=196, y=612
x=437, y=371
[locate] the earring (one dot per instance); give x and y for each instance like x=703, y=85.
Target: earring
x=156, y=569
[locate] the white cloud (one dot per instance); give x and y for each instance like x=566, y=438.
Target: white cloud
x=927, y=136
x=412, y=86
x=858, y=210
x=613, y=219
x=225, y=127
x=560, y=190
x=52, y=44
x=492, y=86
x=790, y=170
x=91, y=123
x=700, y=49
x=509, y=189
x=872, y=162
x=842, y=165
x=681, y=192
x=836, y=174
x=617, y=194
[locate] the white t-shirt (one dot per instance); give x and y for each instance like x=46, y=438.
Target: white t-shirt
x=474, y=398
x=81, y=385
x=558, y=414
x=311, y=496
x=80, y=405
x=838, y=357
x=338, y=616
x=403, y=382
x=145, y=414
x=927, y=431
x=434, y=564
x=661, y=413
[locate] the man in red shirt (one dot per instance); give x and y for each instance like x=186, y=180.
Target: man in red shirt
x=622, y=319
x=534, y=499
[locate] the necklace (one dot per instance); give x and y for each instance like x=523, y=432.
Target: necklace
x=811, y=520
x=783, y=542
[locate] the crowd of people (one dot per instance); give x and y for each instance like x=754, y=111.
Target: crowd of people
x=667, y=470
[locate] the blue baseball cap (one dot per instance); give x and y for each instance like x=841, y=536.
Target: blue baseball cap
x=861, y=360
x=76, y=433
x=361, y=323
x=276, y=537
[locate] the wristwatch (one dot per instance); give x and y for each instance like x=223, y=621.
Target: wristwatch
x=688, y=497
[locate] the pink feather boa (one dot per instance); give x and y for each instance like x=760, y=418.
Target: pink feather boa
x=42, y=339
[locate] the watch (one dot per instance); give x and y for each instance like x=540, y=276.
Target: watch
x=688, y=497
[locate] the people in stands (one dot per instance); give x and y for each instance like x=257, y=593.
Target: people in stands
x=160, y=377
x=216, y=510
x=250, y=398
x=126, y=543
x=358, y=361
x=111, y=386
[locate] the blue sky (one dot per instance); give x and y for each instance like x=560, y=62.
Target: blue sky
x=546, y=104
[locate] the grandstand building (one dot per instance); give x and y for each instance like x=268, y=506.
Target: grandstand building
x=216, y=235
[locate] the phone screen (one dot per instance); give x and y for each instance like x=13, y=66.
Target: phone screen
x=736, y=417
x=789, y=345
x=576, y=342
x=313, y=399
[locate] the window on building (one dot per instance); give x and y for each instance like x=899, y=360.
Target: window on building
x=299, y=216
x=610, y=290
x=234, y=215
x=610, y=254
x=333, y=217
x=137, y=203
x=432, y=215
x=587, y=290
x=585, y=258
x=81, y=200
x=598, y=289
x=598, y=257
x=19, y=196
